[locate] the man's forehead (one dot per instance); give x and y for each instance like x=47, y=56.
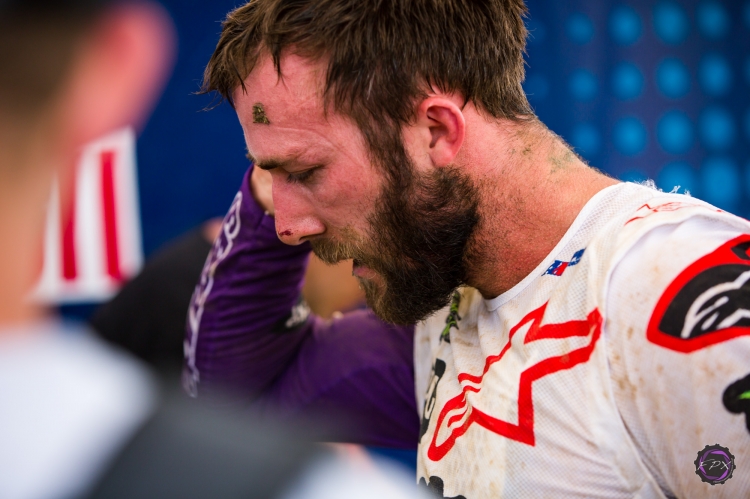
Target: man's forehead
x=294, y=97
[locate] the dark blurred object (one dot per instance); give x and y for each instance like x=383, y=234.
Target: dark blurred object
x=191, y=451
x=48, y=5
x=147, y=317
x=38, y=40
x=48, y=9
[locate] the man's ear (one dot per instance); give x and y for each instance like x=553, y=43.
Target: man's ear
x=441, y=128
x=118, y=72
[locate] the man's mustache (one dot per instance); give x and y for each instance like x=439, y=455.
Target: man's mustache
x=332, y=252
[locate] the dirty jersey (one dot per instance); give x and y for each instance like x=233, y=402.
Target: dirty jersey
x=603, y=373
x=618, y=368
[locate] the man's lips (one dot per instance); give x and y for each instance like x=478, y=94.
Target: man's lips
x=363, y=272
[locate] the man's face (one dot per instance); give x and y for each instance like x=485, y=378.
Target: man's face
x=407, y=234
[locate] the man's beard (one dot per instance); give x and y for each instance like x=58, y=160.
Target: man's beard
x=418, y=242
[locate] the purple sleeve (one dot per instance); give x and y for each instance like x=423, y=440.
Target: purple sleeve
x=359, y=372
x=249, y=332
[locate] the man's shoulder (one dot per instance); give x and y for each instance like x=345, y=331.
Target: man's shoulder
x=677, y=333
x=670, y=221
x=70, y=403
x=679, y=272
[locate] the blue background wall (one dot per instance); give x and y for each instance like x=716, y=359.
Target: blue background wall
x=641, y=88
x=657, y=89
x=190, y=161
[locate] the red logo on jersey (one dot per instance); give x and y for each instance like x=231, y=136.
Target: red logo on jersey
x=457, y=415
x=709, y=302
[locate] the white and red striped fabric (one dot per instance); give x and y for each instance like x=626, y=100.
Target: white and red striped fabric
x=87, y=257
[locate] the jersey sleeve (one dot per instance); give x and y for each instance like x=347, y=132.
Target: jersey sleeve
x=354, y=374
x=246, y=321
x=250, y=332
x=678, y=338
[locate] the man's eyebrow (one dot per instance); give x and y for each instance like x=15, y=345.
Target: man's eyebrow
x=270, y=164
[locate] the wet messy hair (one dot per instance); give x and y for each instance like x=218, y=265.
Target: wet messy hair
x=383, y=55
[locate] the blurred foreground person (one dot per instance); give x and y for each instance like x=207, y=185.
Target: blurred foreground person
x=572, y=336
x=78, y=419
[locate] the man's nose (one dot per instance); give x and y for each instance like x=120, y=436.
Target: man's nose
x=295, y=218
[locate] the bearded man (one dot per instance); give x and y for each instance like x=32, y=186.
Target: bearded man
x=572, y=336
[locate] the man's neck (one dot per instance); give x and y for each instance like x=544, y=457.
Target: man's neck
x=531, y=191
x=21, y=260
x=23, y=200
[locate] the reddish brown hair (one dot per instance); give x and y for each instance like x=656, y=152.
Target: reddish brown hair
x=382, y=54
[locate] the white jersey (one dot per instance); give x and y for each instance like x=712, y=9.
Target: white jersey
x=69, y=405
x=607, y=371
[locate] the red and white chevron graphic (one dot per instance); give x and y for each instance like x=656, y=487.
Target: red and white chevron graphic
x=89, y=254
x=459, y=413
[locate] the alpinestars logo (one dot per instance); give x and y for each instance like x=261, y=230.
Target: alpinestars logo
x=524, y=343
x=708, y=303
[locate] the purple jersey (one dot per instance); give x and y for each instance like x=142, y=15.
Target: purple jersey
x=249, y=331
